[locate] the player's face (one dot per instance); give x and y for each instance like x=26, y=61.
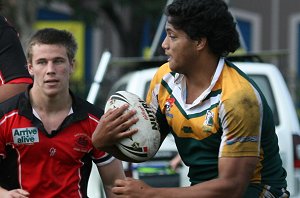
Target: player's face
x=180, y=49
x=50, y=68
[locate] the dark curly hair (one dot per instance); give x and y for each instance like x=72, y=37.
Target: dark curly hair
x=206, y=18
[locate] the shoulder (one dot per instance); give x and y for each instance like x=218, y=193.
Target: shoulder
x=83, y=106
x=5, y=25
x=12, y=104
x=239, y=95
x=161, y=72
x=4, y=22
x=164, y=69
x=236, y=82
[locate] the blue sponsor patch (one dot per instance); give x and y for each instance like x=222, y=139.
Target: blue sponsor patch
x=242, y=139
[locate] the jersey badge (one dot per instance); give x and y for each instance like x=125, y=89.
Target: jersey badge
x=82, y=142
x=209, y=121
x=168, y=106
x=52, y=151
x=27, y=135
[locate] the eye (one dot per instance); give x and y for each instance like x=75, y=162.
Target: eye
x=41, y=62
x=172, y=36
x=59, y=61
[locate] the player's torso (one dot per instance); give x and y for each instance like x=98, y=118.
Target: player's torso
x=198, y=129
x=195, y=129
x=48, y=162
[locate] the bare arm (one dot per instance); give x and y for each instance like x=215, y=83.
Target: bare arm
x=109, y=173
x=234, y=177
x=16, y=193
x=9, y=90
x=175, y=162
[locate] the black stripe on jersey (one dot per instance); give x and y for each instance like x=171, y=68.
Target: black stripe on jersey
x=166, y=86
x=213, y=94
x=85, y=172
x=83, y=107
x=103, y=159
x=13, y=104
x=173, y=73
x=9, y=170
x=195, y=115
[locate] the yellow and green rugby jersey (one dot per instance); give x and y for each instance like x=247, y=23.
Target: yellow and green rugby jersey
x=229, y=119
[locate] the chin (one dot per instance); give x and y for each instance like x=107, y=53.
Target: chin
x=174, y=68
x=52, y=93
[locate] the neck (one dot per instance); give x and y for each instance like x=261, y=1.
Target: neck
x=203, y=72
x=61, y=102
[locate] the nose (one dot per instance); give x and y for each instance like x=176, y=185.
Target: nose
x=164, y=44
x=50, y=68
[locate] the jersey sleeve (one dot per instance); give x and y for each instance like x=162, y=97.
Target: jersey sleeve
x=241, y=120
x=12, y=58
x=153, y=98
x=100, y=158
x=2, y=137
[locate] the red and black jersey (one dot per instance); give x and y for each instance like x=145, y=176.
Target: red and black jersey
x=48, y=165
x=12, y=58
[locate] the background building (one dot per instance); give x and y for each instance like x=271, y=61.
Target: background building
x=272, y=28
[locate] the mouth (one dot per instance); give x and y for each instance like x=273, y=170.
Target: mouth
x=51, y=81
x=169, y=57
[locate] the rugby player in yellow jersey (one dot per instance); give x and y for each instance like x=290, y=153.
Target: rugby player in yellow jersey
x=221, y=122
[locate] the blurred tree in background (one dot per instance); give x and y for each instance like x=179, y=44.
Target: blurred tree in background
x=23, y=14
x=129, y=19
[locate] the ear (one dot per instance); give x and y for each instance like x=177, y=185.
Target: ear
x=72, y=65
x=29, y=68
x=201, y=43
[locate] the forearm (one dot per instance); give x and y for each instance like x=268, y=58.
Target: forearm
x=114, y=151
x=210, y=189
x=109, y=174
x=9, y=90
x=2, y=191
x=13, y=193
x=234, y=177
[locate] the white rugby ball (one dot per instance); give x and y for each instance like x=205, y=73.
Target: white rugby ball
x=144, y=144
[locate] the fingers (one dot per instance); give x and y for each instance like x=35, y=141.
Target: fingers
x=119, y=115
x=119, y=187
x=22, y=193
x=17, y=193
x=114, y=125
x=120, y=119
x=130, y=187
x=121, y=182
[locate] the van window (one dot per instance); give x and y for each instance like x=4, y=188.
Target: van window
x=264, y=84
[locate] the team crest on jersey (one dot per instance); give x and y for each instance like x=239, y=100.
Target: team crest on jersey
x=27, y=135
x=209, y=121
x=82, y=142
x=168, y=105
